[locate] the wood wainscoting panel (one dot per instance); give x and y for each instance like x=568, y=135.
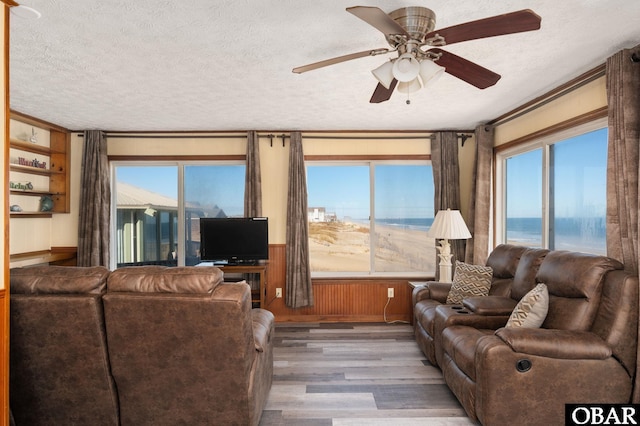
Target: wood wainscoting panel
x=339, y=299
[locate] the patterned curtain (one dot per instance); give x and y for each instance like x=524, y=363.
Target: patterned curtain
x=623, y=97
x=95, y=202
x=252, y=191
x=299, y=292
x=252, y=180
x=479, y=225
x=446, y=180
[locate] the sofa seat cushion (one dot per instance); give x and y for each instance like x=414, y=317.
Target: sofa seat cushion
x=460, y=342
x=58, y=279
x=531, y=310
x=425, y=312
x=469, y=280
x=164, y=279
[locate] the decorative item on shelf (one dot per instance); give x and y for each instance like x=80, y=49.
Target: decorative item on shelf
x=32, y=163
x=34, y=136
x=46, y=203
x=28, y=186
x=447, y=225
x=15, y=208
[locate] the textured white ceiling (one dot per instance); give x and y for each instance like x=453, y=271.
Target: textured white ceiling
x=226, y=65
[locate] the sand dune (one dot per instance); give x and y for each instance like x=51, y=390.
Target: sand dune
x=344, y=246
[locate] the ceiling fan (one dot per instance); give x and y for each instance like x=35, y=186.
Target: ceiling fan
x=410, y=32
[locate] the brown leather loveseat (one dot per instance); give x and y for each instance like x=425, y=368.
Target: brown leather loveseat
x=180, y=345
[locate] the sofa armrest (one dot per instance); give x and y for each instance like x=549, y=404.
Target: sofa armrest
x=490, y=305
x=432, y=290
x=561, y=344
x=262, y=325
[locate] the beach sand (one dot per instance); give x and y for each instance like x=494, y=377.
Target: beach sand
x=344, y=247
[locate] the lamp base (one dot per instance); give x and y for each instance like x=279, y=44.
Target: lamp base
x=445, y=261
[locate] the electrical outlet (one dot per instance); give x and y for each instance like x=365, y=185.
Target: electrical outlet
x=390, y=292
x=278, y=292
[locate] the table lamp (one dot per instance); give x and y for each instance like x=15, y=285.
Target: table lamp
x=447, y=225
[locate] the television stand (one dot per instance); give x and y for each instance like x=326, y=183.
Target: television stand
x=257, y=297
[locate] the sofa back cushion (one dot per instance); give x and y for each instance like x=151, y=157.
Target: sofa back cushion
x=59, y=363
x=164, y=279
x=574, y=281
x=525, y=277
x=58, y=280
x=503, y=260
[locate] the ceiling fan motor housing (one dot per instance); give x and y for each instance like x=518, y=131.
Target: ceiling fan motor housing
x=417, y=21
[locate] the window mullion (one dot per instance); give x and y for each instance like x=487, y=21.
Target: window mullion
x=549, y=211
x=181, y=249
x=373, y=243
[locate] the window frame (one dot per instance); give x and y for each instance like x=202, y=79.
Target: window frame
x=544, y=143
x=180, y=164
x=371, y=164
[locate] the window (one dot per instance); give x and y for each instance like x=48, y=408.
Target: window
x=553, y=191
x=370, y=218
x=158, y=208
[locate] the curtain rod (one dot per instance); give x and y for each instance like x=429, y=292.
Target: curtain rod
x=271, y=136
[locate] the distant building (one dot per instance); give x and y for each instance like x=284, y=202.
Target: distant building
x=319, y=214
x=147, y=226
x=316, y=214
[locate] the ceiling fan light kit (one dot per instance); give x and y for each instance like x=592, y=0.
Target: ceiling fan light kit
x=406, y=68
x=409, y=86
x=420, y=62
x=384, y=74
x=430, y=72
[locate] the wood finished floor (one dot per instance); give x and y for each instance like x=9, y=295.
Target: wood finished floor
x=356, y=374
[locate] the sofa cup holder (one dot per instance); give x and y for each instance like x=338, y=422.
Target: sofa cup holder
x=523, y=365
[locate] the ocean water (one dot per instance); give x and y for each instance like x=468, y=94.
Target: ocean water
x=419, y=224
x=576, y=234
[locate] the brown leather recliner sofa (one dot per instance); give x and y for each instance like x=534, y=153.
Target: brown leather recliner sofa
x=158, y=346
x=584, y=352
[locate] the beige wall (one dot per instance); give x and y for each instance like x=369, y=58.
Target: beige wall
x=587, y=98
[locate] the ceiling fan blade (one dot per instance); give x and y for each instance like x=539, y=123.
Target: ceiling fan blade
x=381, y=93
x=378, y=19
x=466, y=70
x=338, y=59
x=509, y=23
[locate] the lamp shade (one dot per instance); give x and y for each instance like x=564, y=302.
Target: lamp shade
x=409, y=87
x=384, y=74
x=449, y=224
x=406, y=68
x=430, y=72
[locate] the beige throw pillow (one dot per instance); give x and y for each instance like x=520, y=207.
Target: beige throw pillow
x=469, y=281
x=532, y=309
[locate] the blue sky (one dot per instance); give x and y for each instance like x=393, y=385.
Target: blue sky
x=344, y=190
x=206, y=185
x=580, y=178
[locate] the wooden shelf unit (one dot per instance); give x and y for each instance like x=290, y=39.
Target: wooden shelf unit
x=57, y=170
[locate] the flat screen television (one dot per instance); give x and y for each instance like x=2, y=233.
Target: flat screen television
x=234, y=240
